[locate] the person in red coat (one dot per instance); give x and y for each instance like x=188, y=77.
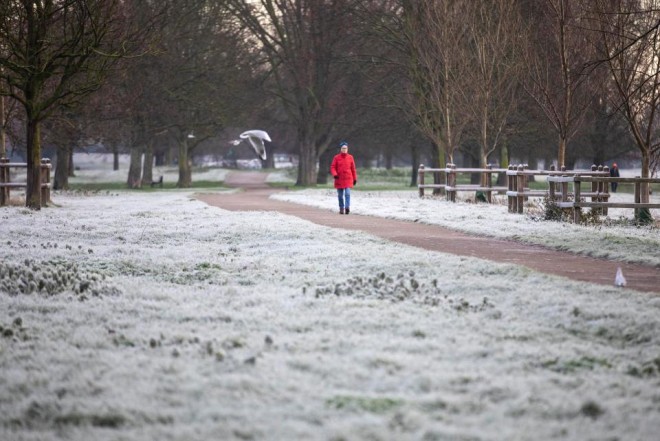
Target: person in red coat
x=343, y=170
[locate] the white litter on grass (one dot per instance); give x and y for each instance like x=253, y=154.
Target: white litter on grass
x=239, y=325
x=619, y=280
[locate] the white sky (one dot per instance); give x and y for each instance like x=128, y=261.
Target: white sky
x=211, y=324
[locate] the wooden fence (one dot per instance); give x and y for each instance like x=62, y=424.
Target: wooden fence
x=601, y=204
x=518, y=190
x=451, y=187
x=6, y=185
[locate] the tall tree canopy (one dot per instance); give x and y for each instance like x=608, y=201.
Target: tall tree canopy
x=53, y=53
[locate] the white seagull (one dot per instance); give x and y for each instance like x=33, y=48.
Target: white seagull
x=256, y=138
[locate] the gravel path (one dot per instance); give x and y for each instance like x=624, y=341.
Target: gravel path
x=255, y=197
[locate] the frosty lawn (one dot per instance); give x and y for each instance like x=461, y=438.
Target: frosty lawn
x=154, y=316
x=616, y=239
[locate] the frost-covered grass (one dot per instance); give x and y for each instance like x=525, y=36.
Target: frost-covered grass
x=615, y=238
x=167, y=319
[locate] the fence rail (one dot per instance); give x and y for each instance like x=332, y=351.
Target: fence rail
x=600, y=204
x=6, y=185
x=451, y=187
x=518, y=184
x=518, y=191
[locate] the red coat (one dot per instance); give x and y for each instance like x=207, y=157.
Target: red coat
x=343, y=167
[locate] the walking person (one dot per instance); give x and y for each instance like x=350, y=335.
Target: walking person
x=343, y=170
x=614, y=173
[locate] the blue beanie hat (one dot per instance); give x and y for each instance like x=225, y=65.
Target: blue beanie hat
x=343, y=143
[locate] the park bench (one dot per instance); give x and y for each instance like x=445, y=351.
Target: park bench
x=158, y=183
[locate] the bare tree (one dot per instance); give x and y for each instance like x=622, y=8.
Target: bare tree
x=490, y=92
x=434, y=35
x=305, y=43
x=557, y=58
x=57, y=51
x=629, y=42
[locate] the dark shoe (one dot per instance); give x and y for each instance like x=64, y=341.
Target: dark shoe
x=341, y=211
x=348, y=210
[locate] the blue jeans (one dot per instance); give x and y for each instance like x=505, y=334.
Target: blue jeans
x=344, y=196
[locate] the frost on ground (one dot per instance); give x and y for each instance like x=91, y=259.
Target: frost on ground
x=616, y=239
x=209, y=324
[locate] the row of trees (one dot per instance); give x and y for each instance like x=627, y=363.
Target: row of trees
x=552, y=80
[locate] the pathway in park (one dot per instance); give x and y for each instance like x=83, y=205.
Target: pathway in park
x=255, y=197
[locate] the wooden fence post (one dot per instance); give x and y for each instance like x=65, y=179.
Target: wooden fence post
x=451, y=179
x=638, y=196
x=520, y=187
x=564, y=186
x=420, y=180
x=510, y=183
x=576, y=192
x=489, y=184
x=45, y=181
x=525, y=182
x=551, y=191
x=551, y=185
x=4, y=178
x=595, y=187
x=606, y=190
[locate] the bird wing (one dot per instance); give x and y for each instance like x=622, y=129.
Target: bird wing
x=257, y=138
x=256, y=134
x=258, y=146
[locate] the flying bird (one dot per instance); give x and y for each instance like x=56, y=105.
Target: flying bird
x=256, y=138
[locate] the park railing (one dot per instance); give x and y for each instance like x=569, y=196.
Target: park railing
x=451, y=186
x=6, y=184
x=518, y=190
x=558, y=190
x=600, y=205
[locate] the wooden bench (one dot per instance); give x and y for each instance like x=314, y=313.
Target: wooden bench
x=158, y=183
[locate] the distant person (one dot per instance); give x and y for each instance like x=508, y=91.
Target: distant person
x=614, y=172
x=343, y=170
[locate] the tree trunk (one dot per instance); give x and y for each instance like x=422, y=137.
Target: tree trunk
x=646, y=166
x=115, y=158
x=532, y=164
x=61, y=180
x=414, y=154
x=483, y=162
x=3, y=135
x=170, y=155
x=71, y=170
x=147, y=166
x=33, y=190
x=438, y=162
x=504, y=163
x=325, y=160
x=269, y=162
x=307, y=164
x=475, y=162
x=561, y=154
x=185, y=174
x=135, y=168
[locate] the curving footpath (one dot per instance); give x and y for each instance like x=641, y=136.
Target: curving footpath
x=255, y=197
